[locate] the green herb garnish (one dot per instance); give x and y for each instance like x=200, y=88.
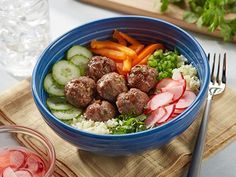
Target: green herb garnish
x=130, y=124
x=209, y=13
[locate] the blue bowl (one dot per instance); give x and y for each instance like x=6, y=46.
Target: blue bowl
x=147, y=30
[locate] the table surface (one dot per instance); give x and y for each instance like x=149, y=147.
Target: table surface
x=67, y=14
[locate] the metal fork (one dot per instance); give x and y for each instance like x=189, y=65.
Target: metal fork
x=216, y=87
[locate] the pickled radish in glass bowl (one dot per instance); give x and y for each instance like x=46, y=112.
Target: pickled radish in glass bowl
x=25, y=153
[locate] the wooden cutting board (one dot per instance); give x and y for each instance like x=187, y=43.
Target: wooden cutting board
x=151, y=8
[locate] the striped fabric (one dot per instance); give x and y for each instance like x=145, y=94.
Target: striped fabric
x=17, y=107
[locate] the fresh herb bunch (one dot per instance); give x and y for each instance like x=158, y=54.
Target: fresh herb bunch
x=209, y=13
x=164, y=62
x=130, y=124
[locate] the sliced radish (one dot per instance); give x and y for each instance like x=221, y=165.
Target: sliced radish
x=186, y=100
x=179, y=111
x=34, y=163
x=159, y=100
x=23, y=173
x=4, y=159
x=169, y=111
x=177, y=91
x=166, y=82
x=174, y=115
x=183, y=82
x=17, y=158
x=177, y=76
x=154, y=117
x=147, y=111
x=8, y=172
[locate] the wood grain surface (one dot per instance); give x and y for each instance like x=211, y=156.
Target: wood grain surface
x=151, y=8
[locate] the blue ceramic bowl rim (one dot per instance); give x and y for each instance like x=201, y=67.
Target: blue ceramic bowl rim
x=203, y=89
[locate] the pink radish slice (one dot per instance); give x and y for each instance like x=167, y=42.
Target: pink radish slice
x=186, y=100
x=4, y=159
x=159, y=100
x=183, y=82
x=17, y=158
x=179, y=111
x=154, y=117
x=8, y=172
x=23, y=173
x=34, y=164
x=177, y=91
x=169, y=111
x=147, y=111
x=174, y=115
x=167, y=82
x=177, y=76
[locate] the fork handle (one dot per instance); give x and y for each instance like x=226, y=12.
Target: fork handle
x=195, y=166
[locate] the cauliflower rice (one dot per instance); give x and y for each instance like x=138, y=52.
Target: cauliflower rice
x=189, y=73
x=95, y=126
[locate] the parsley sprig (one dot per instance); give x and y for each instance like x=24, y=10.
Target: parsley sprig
x=209, y=13
x=129, y=124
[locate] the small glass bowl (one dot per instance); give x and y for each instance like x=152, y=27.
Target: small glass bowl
x=19, y=136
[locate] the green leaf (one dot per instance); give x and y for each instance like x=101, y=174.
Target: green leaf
x=199, y=22
x=190, y=17
x=209, y=13
x=233, y=9
x=164, y=5
x=226, y=31
x=196, y=7
x=130, y=124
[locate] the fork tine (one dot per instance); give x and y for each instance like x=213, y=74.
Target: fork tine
x=218, y=71
x=208, y=57
x=212, y=69
x=224, y=70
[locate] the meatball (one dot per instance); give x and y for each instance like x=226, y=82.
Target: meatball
x=132, y=102
x=111, y=85
x=80, y=92
x=100, y=111
x=99, y=66
x=142, y=77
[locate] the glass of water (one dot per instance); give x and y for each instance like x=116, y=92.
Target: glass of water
x=24, y=33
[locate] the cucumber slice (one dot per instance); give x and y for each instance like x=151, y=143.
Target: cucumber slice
x=80, y=61
x=51, y=87
x=58, y=103
x=63, y=71
x=68, y=122
x=68, y=114
x=78, y=50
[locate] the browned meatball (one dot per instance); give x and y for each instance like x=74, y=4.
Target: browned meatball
x=100, y=111
x=111, y=85
x=80, y=92
x=99, y=66
x=132, y=102
x=142, y=77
